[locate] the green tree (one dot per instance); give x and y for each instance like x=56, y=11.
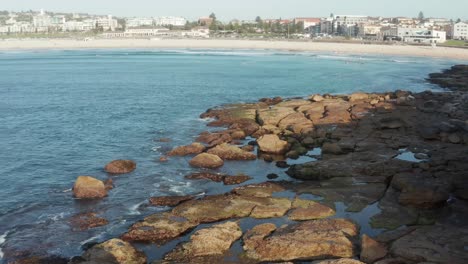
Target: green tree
x=458, y=20
x=213, y=16
x=421, y=15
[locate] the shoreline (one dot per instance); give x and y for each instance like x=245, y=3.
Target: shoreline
x=292, y=46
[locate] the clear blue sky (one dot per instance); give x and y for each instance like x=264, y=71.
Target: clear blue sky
x=249, y=9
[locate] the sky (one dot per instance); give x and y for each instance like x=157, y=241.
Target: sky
x=249, y=9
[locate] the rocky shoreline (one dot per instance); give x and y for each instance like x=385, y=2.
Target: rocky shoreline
x=405, y=153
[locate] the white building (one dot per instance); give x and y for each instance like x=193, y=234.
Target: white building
x=348, y=20
x=170, y=21
x=107, y=23
x=85, y=25
x=42, y=20
x=369, y=30
x=459, y=31
x=139, y=22
x=421, y=35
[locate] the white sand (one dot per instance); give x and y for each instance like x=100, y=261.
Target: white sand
x=345, y=48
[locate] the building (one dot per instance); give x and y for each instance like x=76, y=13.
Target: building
x=369, y=31
x=85, y=25
x=107, y=23
x=170, y=21
x=307, y=22
x=326, y=26
x=347, y=24
x=405, y=21
x=205, y=21
x=157, y=32
x=421, y=35
x=459, y=31
x=139, y=22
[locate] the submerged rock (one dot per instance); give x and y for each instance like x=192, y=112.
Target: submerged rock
x=114, y=251
x=217, y=177
x=206, y=160
x=208, y=242
x=120, y=166
x=317, y=239
x=194, y=148
x=169, y=200
x=86, y=221
x=87, y=187
x=272, y=144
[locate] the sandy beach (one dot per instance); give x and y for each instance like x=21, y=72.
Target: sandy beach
x=344, y=48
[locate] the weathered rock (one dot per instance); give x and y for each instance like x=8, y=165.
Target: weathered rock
x=194, y=148
x=435, y=244
x=220, y=207
x=259, y=190
x=169, y=200
x=114, y=251
x=87, y=187
x=358, y=96
x=332, y=148
x=237, y=179
x=215, y=138
x=206, y=160
x=272, y=144
x=249, y=148
x=159, y=228
x=272, y=116
x=309, y=210
x=309, y=240
x=120, y=166
x=231, y=152
x=216, y=177
x=296, y=123
x=391, y=123
x=272, y=176
x=87, y=221
x=338, y=261
x=212, y=241
x=316, y=98
x=371, y=250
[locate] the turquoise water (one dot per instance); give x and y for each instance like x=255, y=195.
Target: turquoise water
x=68, y=113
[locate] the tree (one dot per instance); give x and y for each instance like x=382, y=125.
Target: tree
x=213, y=16
x=458, y=20
x=258, y=20
x=421, y=15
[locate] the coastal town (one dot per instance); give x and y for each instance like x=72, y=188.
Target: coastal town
x=418, y=30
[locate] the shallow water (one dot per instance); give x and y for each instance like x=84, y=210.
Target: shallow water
x=68, y=113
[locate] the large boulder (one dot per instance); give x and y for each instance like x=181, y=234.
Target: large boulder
x=317, y=239
x=194, y=148
x=272, y=144
x=87, y=187
x=231, y=152
x=114, y=251
x=120, y=166
x=206, y=160
x=207, y=242
x=371, y=250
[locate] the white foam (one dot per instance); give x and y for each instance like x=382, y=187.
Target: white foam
x=2, y=241
x=134, y=209
x=91, y=239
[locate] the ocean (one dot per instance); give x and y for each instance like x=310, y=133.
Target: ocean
x=65, y=113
